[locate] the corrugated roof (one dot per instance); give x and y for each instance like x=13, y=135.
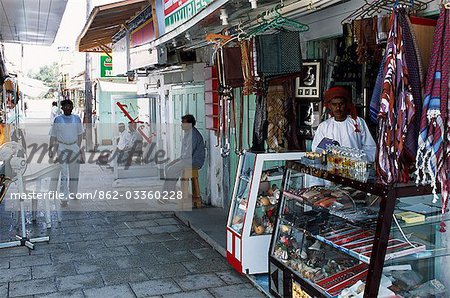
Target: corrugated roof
x=105, y=21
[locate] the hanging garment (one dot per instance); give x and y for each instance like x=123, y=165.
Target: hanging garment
x=277, y=122
x=432, y=161
x=415, y=81
x=260, y=124
x=365, y=34
x=279, y=54
x=396, y=110
x=291, y=117
x=374, y=107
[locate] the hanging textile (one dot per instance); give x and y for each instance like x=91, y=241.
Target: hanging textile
x=279, y=54
x=432, y=161
x=396, y=109
x=260, y=124
x=415, y=81
x=277, y=123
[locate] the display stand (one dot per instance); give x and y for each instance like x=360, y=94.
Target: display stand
x=253, y=209
x=322, y=227
x=18, y=165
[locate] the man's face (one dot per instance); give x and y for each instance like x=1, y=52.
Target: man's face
x=132, y=126
x=121, y=128
x=185, y=125
x=338, y=108
x=67, y=108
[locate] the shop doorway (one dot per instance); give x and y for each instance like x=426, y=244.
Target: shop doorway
x=191, y=100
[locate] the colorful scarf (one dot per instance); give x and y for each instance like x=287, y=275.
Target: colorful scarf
x=396, y=109
x=432, y=160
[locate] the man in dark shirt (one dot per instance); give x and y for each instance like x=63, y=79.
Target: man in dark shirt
x=192, y=153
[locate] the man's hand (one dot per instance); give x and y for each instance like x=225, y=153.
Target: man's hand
x=50, y=152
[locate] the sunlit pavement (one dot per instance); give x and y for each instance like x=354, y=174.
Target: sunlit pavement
x=111, y=254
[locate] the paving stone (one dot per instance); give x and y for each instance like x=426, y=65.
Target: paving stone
x=66, y=238
x=118, y=291
x=69, y=257
x=15, y=251
x=110, y=227
x=17, y=274
x=165, y=270
x=79, y=229
x=183, y=245
x=147, y=248
x=100, y=221
x=81, y=281
x=175, y=256
x=57, y=270
x=232, y=277
x=154, y=215
x=242, y=290
x=4, y=263
x=155, y=287
x=31, y=287
x=141, y=223
x=131, y=232
x=99, y=236
x=121, y=276
x=64, y=294
x=122, y=241
x=88, y=266
x=203, y=266
x=155, y=238
x=166, y=229
x=191, y=294
x=4, y=290
x=146, y=260
x=31, y=260
x=85, y=245
x=185, y=235
x=47, y=248
x=167, y=221
x=109, y=252
x=198, y=281
x=206, y=253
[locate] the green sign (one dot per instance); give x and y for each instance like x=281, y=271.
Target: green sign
x=106, y=66
x=184, y=13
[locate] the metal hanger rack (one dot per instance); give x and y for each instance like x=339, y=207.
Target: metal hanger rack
x=370, y=9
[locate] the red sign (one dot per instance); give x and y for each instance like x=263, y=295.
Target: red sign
x=143, y=34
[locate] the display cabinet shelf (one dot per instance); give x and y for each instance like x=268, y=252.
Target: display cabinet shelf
x=341, y=240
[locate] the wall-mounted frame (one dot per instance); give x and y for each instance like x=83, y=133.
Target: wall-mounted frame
x=307, y=86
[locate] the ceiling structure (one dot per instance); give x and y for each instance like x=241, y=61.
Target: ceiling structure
x=105, y=21
x=30, y=21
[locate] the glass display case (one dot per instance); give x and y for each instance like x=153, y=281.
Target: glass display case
x=356, y=239
x=253, y=209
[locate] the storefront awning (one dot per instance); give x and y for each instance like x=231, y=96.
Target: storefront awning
x=105, y=21
x=30, y=21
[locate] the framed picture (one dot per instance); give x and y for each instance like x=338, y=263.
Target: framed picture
x=308, y=84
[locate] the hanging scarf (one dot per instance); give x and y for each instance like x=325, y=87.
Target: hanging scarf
x=414, y=79
x=396, y=109
x=432, y=162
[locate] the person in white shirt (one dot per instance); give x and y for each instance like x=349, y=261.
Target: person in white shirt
x=55, y=112
x=344, y=126
x=66, y=135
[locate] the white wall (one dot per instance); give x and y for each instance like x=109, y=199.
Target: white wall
x=215, y=172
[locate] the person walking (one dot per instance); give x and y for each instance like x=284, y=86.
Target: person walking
x=55, y=111
x=65, y=139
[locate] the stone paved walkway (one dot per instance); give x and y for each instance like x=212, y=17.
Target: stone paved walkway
x=119, y=254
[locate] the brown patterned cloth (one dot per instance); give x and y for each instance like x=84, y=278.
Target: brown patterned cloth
x=276, y=139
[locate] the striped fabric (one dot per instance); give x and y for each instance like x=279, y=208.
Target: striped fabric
x=396, y=109
x=433, y=161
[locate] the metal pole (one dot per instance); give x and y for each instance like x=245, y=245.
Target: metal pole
x=88, y=91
